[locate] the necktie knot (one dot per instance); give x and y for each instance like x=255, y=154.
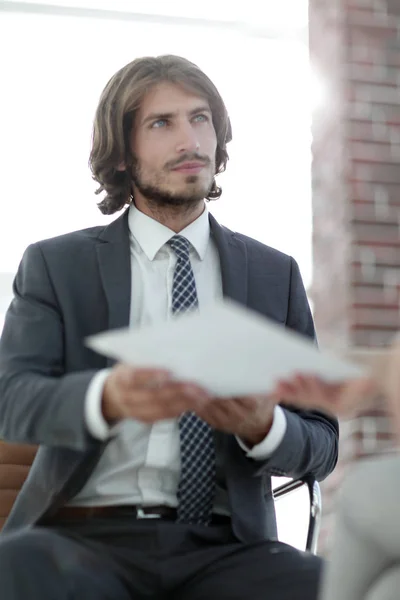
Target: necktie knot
x=181, y=246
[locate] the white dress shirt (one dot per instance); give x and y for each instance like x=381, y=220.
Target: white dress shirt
x=141, y=464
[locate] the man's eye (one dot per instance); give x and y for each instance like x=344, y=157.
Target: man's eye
x=201, y=118
x=159, y=123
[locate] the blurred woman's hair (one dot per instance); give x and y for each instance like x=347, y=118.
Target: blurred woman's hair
x=115, y=118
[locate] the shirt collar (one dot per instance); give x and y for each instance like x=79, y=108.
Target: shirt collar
x=152, y=235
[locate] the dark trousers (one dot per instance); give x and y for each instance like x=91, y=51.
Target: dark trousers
x=120, y=559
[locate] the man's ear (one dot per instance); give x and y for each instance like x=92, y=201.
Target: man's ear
x=121, y=166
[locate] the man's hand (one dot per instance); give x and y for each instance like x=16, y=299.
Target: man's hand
x=148, y=395
x=248, y=417
x=151, y=395
x=341, y=399
x=344, y=399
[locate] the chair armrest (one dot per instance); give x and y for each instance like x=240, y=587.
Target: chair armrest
x=314, y=491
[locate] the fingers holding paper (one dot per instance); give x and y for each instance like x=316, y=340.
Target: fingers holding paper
x=148, y=395
x=248, y=417
x=341, y=399
x=151, y=395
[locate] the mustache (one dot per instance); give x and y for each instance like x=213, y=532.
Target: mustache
x=188, y=157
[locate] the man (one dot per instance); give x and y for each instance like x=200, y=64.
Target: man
x=144, y=486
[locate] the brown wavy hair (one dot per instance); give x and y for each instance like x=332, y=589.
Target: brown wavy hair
x=115, y=118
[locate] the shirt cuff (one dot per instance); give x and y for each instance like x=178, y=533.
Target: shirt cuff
x=270, y=443
x=95, y=422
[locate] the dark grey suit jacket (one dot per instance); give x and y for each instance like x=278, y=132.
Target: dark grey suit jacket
x=79, y=284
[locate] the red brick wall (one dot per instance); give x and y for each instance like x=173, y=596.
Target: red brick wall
x=355, y=49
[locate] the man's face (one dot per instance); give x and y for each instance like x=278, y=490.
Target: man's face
x=173, y=143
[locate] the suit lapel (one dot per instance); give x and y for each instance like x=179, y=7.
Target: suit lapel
x=233, y=257
x=113, y=255
x=234, y=271
x=73, y=468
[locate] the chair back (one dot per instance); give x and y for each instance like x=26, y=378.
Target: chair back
x=15, y=462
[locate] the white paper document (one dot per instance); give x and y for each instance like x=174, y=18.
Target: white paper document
x=226, y=348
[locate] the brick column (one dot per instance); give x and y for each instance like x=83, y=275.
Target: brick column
x=355, y=49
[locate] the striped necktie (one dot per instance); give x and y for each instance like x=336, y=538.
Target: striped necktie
x=196, y=488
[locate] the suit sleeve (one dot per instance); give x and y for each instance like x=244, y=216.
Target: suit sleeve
x=310, y=443
x=39, y=403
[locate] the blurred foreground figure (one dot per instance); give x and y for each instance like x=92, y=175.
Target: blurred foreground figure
x=365, y=558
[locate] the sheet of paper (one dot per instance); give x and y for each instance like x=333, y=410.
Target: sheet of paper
x=226, y=348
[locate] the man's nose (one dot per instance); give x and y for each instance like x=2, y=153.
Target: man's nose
x=187, y=139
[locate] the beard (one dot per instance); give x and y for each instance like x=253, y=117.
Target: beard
x=159, y=193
